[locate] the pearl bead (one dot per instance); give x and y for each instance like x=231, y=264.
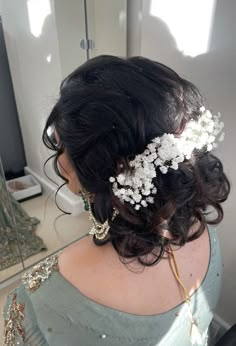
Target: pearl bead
x=104, y=336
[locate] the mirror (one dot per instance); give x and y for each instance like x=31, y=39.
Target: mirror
x=41, y=43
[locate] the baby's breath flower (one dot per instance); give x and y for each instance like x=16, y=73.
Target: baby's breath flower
x=165, y=152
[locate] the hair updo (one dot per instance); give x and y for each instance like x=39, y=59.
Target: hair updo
x=108, y=111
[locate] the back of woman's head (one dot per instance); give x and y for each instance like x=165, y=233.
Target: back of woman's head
x=109, y=110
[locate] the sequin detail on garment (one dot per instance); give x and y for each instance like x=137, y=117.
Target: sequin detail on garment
x=34, y=277
x=13, y=328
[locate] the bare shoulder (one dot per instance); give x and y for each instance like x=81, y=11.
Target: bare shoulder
x=83, y=264
x=69, y=256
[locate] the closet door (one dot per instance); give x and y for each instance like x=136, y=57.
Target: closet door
x=106, y=22
x=11, y=145
x=11, y=261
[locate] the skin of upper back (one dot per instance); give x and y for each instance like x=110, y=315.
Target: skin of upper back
x=98, y=273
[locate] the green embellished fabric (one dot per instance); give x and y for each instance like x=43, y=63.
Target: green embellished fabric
x=45, y=309
x=25, y=236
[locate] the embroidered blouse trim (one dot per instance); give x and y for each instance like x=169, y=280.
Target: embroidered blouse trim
x=13, y=327
x=34, y=277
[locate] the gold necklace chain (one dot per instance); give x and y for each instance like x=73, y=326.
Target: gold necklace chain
x=195, y=334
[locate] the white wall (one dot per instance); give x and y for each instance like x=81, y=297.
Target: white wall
x=175, y=33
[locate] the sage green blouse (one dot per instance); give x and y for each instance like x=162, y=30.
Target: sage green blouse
x=45, y=309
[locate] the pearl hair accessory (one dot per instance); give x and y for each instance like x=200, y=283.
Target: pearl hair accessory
x=165, y=152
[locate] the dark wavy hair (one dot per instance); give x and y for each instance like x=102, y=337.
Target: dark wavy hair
x=109, y=109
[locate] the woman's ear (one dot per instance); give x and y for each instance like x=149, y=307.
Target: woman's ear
x=68, y=171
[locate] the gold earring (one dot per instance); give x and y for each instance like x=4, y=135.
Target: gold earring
x=100, y=230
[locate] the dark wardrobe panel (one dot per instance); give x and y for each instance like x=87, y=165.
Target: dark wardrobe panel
x=11, y=144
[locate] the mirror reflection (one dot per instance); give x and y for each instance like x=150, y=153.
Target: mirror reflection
x=42, y=42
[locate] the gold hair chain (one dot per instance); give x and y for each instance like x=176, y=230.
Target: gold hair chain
x=100, y=230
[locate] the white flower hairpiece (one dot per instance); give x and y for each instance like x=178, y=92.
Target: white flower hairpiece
x=165, y=152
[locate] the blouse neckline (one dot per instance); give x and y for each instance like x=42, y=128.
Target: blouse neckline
x=102, y=306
